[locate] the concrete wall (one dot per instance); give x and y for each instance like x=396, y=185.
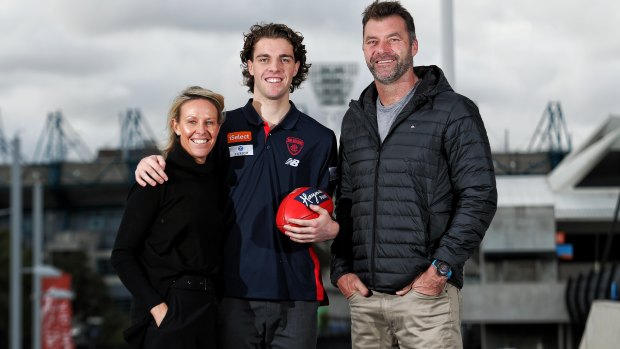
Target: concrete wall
x=515, y=303
x=521, y=229
x=602, y=328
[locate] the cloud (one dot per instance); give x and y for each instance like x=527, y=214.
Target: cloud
x=93, y=60
x=517, y=57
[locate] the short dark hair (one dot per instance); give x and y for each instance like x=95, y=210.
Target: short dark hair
x=274, y=31
x=383, y=9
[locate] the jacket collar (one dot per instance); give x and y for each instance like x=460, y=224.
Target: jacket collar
x=432, y=83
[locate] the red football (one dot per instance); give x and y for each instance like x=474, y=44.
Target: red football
x=297, y=205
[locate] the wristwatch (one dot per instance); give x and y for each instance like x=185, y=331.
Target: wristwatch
x=443, y=268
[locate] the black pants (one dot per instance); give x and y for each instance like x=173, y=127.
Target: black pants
x=188, y=324
x=252, y=324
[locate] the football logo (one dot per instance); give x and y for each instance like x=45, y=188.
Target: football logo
x=312, y=196
x=294, y=145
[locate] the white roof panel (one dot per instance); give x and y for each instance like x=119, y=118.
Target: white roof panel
x=523, y=191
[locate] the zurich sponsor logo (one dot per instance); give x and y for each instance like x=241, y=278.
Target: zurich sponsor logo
x=241, y=150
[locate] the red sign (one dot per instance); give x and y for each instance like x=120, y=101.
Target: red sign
x=56, y=313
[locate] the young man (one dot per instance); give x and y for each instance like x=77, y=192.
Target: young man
x=416, y=195
x=270, y=281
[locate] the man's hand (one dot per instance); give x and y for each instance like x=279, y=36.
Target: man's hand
x=159, y=312
x=350, y=283
x=151, y=170
x=318, y=229
x=428, y=283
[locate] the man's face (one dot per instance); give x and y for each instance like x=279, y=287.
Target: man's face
x=387, y=49
x=273, y=67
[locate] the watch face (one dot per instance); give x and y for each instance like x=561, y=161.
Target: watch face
x=443, y=268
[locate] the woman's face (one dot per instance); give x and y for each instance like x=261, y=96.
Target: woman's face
x=197, y=128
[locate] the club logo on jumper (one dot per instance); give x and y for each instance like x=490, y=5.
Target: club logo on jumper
x=292, y=162
x=241, y=150
x=312, y=197
x=294, y=145
x=238, y=137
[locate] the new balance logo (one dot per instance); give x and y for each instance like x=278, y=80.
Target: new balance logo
x=292, y=162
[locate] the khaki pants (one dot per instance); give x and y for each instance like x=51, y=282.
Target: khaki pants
x=412, y=321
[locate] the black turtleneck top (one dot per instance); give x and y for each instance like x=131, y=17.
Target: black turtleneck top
x=169, y=230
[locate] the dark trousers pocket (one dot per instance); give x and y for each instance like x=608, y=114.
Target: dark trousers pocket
x=189, y=323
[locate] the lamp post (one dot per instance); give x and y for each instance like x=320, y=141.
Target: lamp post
x=15, y=280
x=37, y=258
x=447, y=47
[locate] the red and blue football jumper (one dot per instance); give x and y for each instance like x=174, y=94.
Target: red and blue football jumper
x=260, y=166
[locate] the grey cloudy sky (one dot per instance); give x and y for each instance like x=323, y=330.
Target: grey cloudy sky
x=95, y=59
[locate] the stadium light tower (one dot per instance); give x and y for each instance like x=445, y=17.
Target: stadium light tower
x=57, y=140
x=551, y=134
x=135, y=133
x=332, y=84
x=5, y=146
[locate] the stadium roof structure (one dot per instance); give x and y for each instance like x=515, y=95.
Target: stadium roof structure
x=583, y=187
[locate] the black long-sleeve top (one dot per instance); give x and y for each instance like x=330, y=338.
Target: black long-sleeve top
x=169, y=230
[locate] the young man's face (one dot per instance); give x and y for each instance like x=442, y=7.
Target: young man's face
x=273, y=67
x=387, y=48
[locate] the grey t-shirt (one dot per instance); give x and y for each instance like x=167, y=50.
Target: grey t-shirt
x=387, y=115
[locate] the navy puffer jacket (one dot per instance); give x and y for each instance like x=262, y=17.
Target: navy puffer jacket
x=428, y=191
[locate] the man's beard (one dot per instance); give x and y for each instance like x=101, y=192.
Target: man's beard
x=398, y=71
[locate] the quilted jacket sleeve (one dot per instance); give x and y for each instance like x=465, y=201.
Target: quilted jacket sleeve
x=473, y=181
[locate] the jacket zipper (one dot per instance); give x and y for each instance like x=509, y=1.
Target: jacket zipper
x=374, y=201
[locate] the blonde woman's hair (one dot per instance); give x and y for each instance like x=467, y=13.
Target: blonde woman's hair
x=191, y=93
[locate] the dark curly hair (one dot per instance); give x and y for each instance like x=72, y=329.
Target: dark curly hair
x=274, y=31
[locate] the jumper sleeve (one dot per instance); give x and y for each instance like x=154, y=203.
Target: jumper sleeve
x=141, y=211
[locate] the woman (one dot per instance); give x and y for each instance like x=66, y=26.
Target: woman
x=169, y=240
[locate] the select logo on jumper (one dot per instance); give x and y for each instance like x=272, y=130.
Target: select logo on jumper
x=241, y=150
x=294, y=145
x=238, y=137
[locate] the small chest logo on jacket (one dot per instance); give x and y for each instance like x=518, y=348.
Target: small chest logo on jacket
x=294, y=145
